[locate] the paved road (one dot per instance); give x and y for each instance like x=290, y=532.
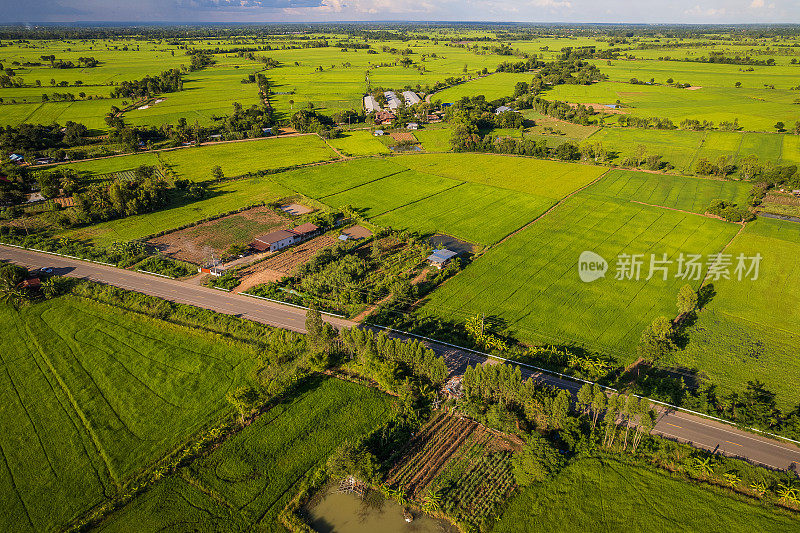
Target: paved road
x=678, y=425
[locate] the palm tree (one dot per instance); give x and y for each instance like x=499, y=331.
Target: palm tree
x=400, y=496
x=704, y=466
x=731, y=479
x=432, y=502
x=759, y=487
x=787, y=494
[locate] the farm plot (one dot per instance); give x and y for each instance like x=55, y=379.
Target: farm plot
x=675, y=192
x=474, y=212
x=92, y=395
x=749, y=329
x=428, y=452
x=238, y=158
x=550, y=179
x=355, y=143
x=434, y=139
x=532, y=277
x=245, y=483
x=492, y=86
x=602, y=494
x=108, y=165
x=196, y=243
x=390, y=192
x=325, y=180
x=283, y=264
x=222, y=198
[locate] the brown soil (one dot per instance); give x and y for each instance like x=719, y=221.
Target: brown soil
x=283, y=264
x=403, y=136
x=781, y=199
x=601, y=108
x=195, y=244
x=694, y=87
x=296, y=209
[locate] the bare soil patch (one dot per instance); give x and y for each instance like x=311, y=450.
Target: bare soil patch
x=603, y=108
x=296, y=209
x=196, y=244
x=357, y=232
x=441, y=240
x=782, y=199
x=283, y=264
x=400, y=136
x=694, y=87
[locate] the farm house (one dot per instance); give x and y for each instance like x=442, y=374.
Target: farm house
x=280, y=239
x=412, y=126
x=392, y=101
x=440, y=258
x=411, y=98
x=502, y=109
x=370, y=104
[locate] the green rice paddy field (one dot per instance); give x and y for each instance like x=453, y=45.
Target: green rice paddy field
x=749, y=329
x=530, y=279
x=235, y=158
x=480, y=198
x=92, y=395
x=602, y=494
x=246, y=483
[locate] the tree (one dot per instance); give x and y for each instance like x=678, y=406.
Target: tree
x=537, y=461
x=217, y=173
x=687, y=299
x=243, y=400
x=779, y=126
x=656, y=340
x=738, y=84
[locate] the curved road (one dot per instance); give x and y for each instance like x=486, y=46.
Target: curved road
x=678, y=425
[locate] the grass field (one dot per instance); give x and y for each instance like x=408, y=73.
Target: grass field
x=687, y=194
x=434, y=139
x=251, y=476
x=355, y=143
x=597, y=494
x=235, y=158
x=493, y=86
x=530, y=282
x=91, y=395
x=222, y=198
x=749, y=330
x=325, y=180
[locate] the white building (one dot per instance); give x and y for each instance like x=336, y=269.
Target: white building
x=392, y=100
x=412, y=126
x=370, y=104
x=411, y=98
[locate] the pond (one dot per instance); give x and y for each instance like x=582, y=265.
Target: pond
x=334, y=512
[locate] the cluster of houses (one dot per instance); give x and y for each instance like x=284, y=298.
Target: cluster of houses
x=386, y=116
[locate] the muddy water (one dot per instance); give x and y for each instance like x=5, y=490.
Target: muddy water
x=333, y=512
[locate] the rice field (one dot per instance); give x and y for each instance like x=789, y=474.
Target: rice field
x=251, y=477
x=358, y=143
x=529, y=284
x=602, y=494
x=749, y=329
x=93, y=395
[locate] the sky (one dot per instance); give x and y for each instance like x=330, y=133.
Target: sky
x=253, y=11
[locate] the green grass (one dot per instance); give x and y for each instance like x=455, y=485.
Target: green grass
x=493, y=86
x=434, y=139
x=355, y=143
x=92, y=395
x=254, y=474
x=239, y=158
x=235, y=158
x=325, y=180
x=687, y=194
x=550, y=179
x=473, y=212
x=390, y=192
x=223, y=198
x=598, y=494
x=530, y=282
x=749, y=329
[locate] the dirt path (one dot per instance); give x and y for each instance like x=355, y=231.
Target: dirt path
x=369, y=310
